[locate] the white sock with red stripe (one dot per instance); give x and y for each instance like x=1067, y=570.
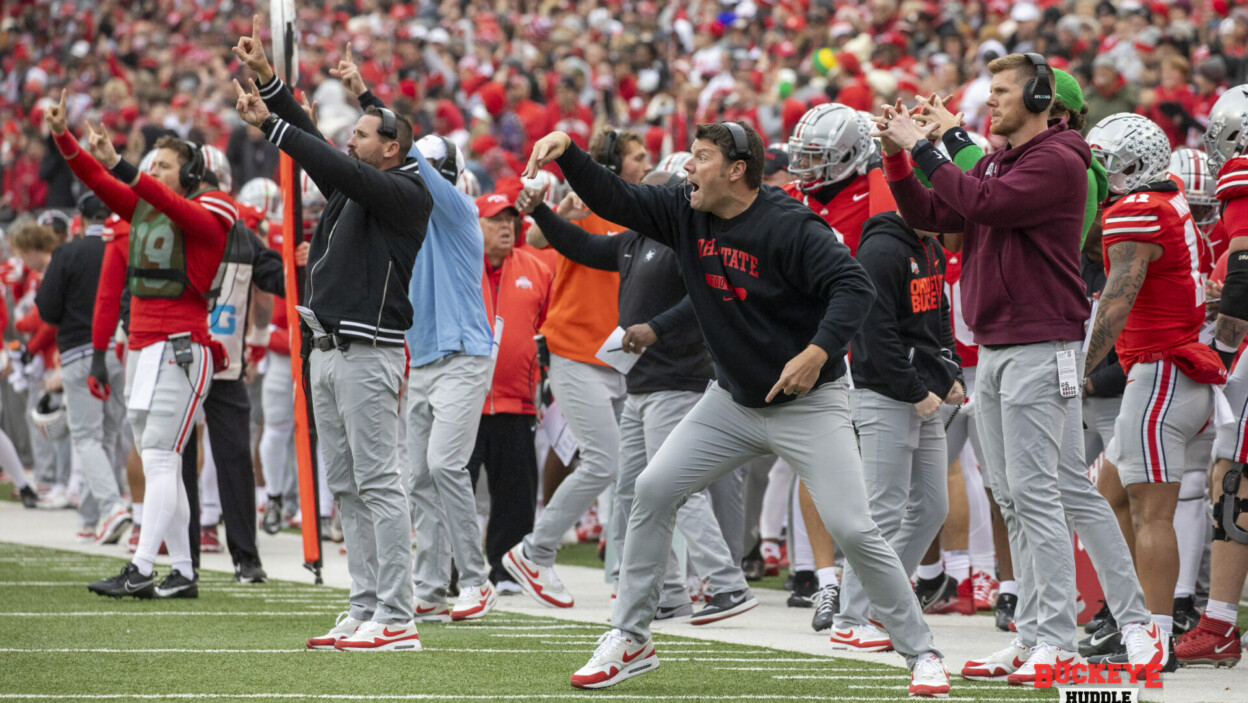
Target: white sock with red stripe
x=1222, y=612
x=168, y=512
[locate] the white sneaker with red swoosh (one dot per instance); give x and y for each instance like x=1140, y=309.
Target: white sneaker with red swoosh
x=998, y=665
x=619, y=656
x=861, y=638
x=474, y=602
x=344, y=627
x=376, y=637
x=432, y=612
x=928, y=677
x=1045, y=654
x=538, y=581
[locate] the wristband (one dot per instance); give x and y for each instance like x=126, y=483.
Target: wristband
x=928, y=158
x=125, y=172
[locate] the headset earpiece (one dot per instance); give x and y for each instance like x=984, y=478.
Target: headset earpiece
x=1038, y=93
x=449, y=168
x=611, y=158
x=192, y=172
x=740, y=142
x=389, y=123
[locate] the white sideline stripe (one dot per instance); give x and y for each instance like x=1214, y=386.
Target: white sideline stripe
x=177, y=613
x=834, y=668
x=297, y=650
x=27, y=584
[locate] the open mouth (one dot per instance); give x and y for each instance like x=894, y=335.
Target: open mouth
x=694, y=187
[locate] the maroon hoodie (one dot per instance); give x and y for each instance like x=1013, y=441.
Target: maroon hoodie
x=1021, y=214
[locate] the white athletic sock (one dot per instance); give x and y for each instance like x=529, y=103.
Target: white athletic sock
x=180, y=540
x=262, y=496
x=1222, y=612
x=827, y=577
x=928, y=572
x=136, y=513
x=1010, y=587
x=958, y=564
x=1191, y=525
x=163, y=470
x=776, y=500
x=1165, y=622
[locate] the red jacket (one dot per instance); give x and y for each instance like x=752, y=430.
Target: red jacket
x=522, y=292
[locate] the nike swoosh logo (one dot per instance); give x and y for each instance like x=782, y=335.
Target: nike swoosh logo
x=737, y=598
x=530, y=573
x=388, y=633
x=1097, y=642
x=422, y=611
x=137, y=588
x=860, y=196
x=1019, y=662
x=629, y=657
x=1223, y=648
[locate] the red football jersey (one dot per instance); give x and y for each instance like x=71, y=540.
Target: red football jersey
x=968, y=351
x=1169, y=309
x=845, y=213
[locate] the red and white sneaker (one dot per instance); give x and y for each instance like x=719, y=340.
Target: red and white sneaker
x=1210, y=643
x=928, y=677
x=432, y=612
x=862, y=638
x=538, y=581
x=771, y=558
x=619, y=656
x=209, y=541
x=985, y=588
x=132, y=545
x=998, y=665
x=961, y=604
x=474, y=602
x=1041, y=654
x=589, y=529
x=344, y=626
x=85, y=535
x=1146, y=645
x=376, y=637
x=113, y=525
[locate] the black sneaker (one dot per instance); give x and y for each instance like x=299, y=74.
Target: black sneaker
x=1119, y=656
x=932, y=592
x=1004, y=610
x=30, y=499
x=176, y=585
x=725, y=605
x=753, y=568
x=272, y=522
x=805, y=584
x=128, y=583
x=827, y=603
x=250, y=573
x=676, y=613
x=1106, y=640
x=1099, y=619
x=1186, y=616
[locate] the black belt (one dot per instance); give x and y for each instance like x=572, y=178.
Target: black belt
x=331, y=342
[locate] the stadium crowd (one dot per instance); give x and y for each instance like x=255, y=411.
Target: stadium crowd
x=471, y=155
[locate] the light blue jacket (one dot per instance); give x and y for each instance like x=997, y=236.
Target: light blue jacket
x=447, y=304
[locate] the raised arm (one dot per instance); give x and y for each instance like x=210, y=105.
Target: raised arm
x=92, y=173
x=647, y=210
x=452, y=205
x=578, y=245
x=250, y=50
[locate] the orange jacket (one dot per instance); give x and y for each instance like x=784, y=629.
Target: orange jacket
x=523, y=292
x=584, y=305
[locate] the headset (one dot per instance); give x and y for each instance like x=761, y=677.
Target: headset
x=1038, y=93
x=612, y=159
x=740, y=142
x=192, y=172
x=449, y=167
x=389, y=123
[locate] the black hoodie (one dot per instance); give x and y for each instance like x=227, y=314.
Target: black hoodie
x=905, y=348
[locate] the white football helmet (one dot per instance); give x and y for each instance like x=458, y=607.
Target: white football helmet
x=831, y=143
x=265, y=195
x=469, y=184
x=145, y=163
x=1227, y=134
x=1198, y=184
x=1133, y=150
x=674, y=162
x=216, y=162
x=554, y=193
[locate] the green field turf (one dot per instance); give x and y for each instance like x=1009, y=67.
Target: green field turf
x=246, y=642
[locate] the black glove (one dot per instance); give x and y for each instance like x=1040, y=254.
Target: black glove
x=97, y=380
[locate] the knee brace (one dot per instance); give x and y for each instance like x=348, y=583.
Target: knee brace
x=1227, y=511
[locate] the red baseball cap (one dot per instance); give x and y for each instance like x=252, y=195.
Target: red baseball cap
x=494, y=203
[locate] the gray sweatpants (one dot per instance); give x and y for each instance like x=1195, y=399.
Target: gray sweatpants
x=355, y=394
x=591, y=398
x=93, y=426
x=647, y=421
x=1089, y=515
x=443, y=414
x=728, y=503
x=903, y=463
x=815, y=436
x=1033, y=446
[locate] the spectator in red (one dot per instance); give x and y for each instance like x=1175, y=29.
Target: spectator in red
x=855, y=91
x=566, y=113
x=1172, y=103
